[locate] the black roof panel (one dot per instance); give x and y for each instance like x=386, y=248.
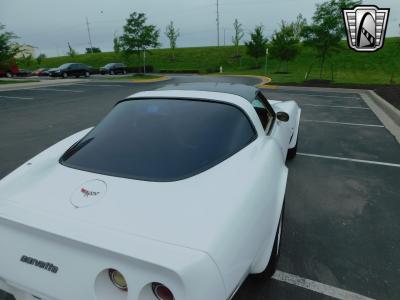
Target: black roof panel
x=245, y=91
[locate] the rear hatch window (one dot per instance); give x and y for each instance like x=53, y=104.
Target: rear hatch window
x=162, y=139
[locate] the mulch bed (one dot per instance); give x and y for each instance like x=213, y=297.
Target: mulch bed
x=391, y=93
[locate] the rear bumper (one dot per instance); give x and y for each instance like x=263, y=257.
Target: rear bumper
x=83, y=265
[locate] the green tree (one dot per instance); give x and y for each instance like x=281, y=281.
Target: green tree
x=93, y=50
x=40, y=58
x=8, y=49
x=117, y=45
x=172, y=34
x=138, y=36
x=327, y=29
x=285, y=44
x=239, y=33
x=299, y=25
x=26, y=60
x=257, y=45
x=71, y=52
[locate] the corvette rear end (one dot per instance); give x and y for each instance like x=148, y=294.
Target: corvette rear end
x=175, y=195
x=39, y=264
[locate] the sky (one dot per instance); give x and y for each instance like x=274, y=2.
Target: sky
x=49, y=25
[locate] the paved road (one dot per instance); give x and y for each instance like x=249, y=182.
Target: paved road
x=342, y=225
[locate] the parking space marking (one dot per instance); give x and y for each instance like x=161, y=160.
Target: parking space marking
x=97, y=84
x=336, y=106
x=13, y=97
x=318, y=287
x=372, y=162
x=59, y=90
x=324, y=96
x=344, y=123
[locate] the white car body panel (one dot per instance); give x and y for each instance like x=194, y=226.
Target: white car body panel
x=201, y=236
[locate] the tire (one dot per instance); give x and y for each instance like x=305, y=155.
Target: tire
x=124, y=72
x=276, y=251
x=8, y=75
x=112, y=72
x=64, y=75
x=87, y=74
x=292, y=152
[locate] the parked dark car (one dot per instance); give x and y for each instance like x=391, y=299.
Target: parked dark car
x=24, y=73
x=70, y=69
x=41, y=72
x=113, y=68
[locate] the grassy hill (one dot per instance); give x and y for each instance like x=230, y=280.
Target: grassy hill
x=345, y=66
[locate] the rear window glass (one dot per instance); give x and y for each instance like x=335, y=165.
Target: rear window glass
x=162, y=139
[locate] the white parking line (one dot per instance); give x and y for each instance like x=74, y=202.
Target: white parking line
x=335, y=106
x=318, y=287
x=12, y=97
x=59, y=90
x=343, y=123
x=97, y=84
x=324, y=96
x=371, y=162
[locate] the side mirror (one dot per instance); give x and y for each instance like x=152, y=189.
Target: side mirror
x=282, y=116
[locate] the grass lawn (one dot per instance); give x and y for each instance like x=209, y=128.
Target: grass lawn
x=16, y=81
x=345, y=66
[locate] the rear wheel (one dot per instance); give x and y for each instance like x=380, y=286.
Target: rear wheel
x=112, y=72
x=87, y=74
x=291, y=152
x=124, y=72
x=64, y=75
x=276, y=250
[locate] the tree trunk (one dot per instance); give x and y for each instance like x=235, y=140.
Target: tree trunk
x=322, y=65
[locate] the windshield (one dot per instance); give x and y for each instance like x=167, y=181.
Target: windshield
x=162, y=140
x=108, y=65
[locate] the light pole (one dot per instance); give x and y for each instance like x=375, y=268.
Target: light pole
x=266, y=61
x=144, y=61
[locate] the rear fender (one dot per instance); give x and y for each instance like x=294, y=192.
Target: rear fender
x=264, y=253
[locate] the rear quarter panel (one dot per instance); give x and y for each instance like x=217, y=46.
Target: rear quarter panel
x=245, y=241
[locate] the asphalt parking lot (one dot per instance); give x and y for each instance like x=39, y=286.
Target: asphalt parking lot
x=341, y=233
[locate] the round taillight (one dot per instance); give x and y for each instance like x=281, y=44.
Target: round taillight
x=118, y=279
x=162, y=292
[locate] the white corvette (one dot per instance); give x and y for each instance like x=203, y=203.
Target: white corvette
x=177, y=194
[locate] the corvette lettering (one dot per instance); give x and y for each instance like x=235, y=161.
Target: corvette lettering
x=39, y=263
x=87, y=193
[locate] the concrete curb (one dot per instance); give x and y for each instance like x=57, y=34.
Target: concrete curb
x=162, y=78
x=44, y=83
x=263, y=79
x=386, y=112
x=116, y=81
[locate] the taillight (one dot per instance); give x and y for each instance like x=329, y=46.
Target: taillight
x=118, y=279
x=162, y=292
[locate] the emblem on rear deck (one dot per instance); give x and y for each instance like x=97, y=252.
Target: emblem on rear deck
x=88, y=193
x=39, y=263
x=366, y=27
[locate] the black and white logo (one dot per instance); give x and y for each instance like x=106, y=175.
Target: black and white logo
x=366, y=27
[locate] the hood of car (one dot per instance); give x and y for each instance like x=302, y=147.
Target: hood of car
x=193, y=212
